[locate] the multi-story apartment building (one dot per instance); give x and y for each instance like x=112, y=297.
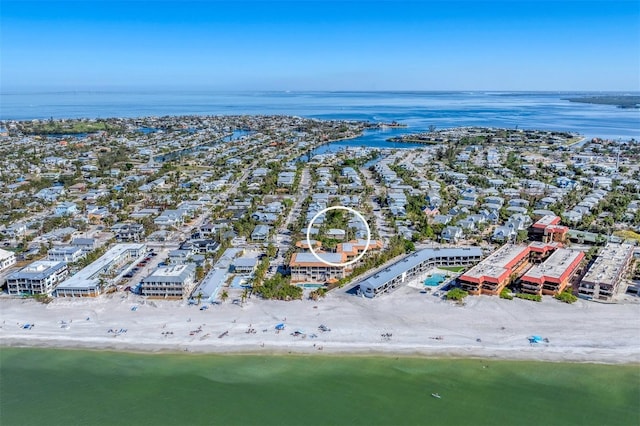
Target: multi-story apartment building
x=40, y=277
x=171, y=282
x=90, y=280
x=503, y=266
x=305, y=268
x=603, y=278
x=415, y=264
x=553, y=275
x=7, y=259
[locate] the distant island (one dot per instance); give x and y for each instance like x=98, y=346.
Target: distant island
x=625, y=101
x=486, y=135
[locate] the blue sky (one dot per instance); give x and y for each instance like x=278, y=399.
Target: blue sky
x=321, y=45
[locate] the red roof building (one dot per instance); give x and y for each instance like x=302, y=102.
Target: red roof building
x=548, y=229
x=553, y=275
x=503, y=266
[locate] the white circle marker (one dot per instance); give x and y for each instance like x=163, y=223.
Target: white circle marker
x=349, y=209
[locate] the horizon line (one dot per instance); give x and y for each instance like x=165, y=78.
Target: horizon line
x=111, y=89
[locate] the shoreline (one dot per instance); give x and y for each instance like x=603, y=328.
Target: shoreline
x=508, y=355
x=421, y=326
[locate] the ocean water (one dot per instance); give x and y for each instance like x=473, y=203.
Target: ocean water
x=418, y=110
x=62, y=387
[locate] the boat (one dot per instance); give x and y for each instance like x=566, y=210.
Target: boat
x=436, y=395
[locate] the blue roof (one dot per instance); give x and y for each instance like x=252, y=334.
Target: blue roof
x=415, y=259
x=37, y=270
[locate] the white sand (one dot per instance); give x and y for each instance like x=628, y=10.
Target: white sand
x=582, y=332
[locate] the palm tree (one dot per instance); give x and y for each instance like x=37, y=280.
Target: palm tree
x=224, y=296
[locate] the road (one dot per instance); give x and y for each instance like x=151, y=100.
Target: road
x=282, y=238
x=383, y=228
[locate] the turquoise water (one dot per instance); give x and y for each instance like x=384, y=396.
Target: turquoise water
x=309, y=285
x=58, y=387
x=239, y=282
x=435, y=280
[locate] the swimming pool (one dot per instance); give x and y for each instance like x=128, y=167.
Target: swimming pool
x=434, y=280
x=239, y=282
x=310, y=285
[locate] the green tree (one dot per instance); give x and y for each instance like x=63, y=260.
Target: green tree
x=522, y=236
x=506, y=294
x=199, y=273
x=566, y=297
x=271, y=250
x=456, y=294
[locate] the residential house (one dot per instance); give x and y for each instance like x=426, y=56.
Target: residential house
x=200, y=246
x=171, y=218
x=504, y=233
x=86, y=244
x=520, y=222
x=267, y=218
x=518, y=202
x=467, y=224
x=125, y=231
x=441, y=219
x=180, y=256
x=286, y=179
x=68, y=254
x=96, y=214
x=66, y=208
x=15, y=230
x=452, y=234
x=260, y=233
x=338, y=234
x=244, y=265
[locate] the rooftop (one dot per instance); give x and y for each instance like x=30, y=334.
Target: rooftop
x=556, y=268
x=499, y=263
x=546, y=221
x=308, y=259
x=37, y=270
x=245, y=261
x=415, y=259
x=171, y=273
x=4, y=254
x=88, y=277
x=610, y=262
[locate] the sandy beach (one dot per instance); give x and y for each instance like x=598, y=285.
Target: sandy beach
x=403, y=323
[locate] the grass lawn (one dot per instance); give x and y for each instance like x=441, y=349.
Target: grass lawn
x=628, y=235
x=452, y=268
